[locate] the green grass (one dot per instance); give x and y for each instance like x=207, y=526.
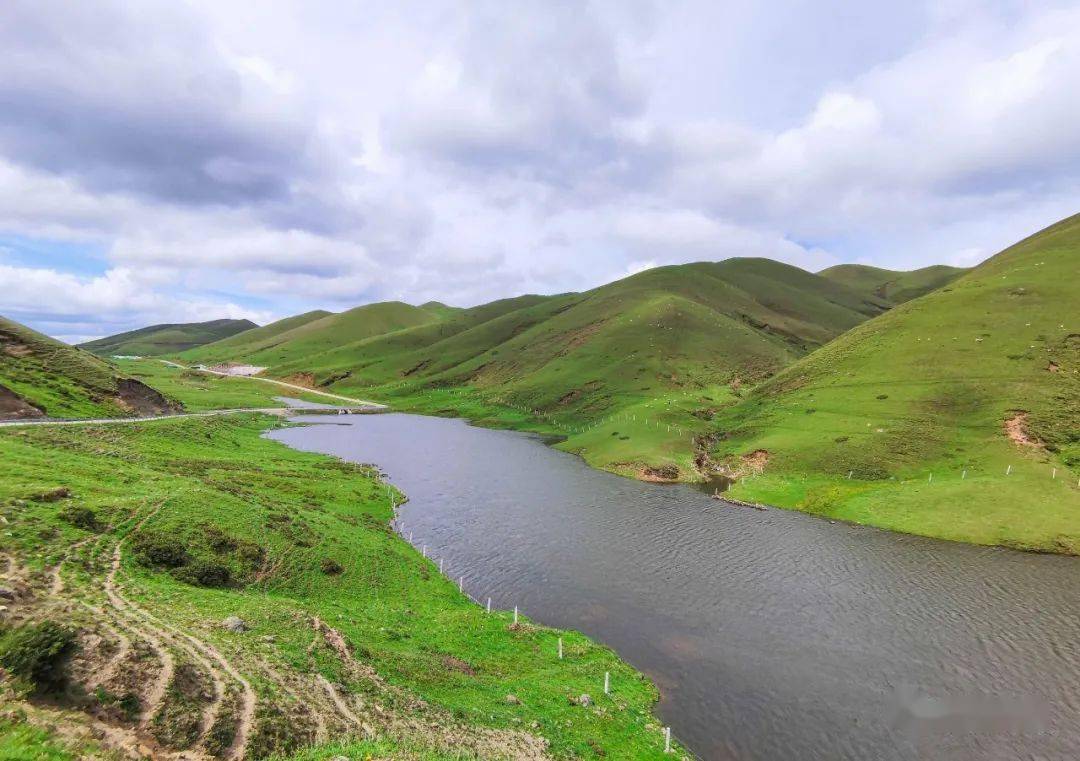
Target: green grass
x=21, y=742
x=219, y=477
x=157, y=340
x=926, y=389
x=889, y=285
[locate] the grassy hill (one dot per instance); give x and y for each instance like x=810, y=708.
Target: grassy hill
x=892, y=286
x=205, y=592
x=955, y=415
x=681, y=337
x=40, y=376
x=251, y=340
x=158, y=340
x=313, y=336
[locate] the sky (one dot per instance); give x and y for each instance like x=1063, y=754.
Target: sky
x=185, y=161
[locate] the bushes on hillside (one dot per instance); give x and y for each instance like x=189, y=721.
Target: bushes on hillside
x=81, y=517
x=156, y=550
x=35, y=653
x=205, y=573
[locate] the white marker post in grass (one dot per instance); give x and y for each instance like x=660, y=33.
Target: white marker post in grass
x=963, y=475
x=607, y=682
x=515, y=614
x=849, y=474
x=667, y=739
x=560, y=648
x=489, y=605
x=1054, y=474
x=461, y=584
x=1008, y=470
x=931, y=479
x=424, y=551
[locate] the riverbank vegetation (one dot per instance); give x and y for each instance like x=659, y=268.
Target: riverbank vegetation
x=229, y=594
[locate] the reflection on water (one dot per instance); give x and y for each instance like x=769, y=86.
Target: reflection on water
x=772, y=635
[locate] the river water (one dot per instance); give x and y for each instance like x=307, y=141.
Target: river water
x=772, y=635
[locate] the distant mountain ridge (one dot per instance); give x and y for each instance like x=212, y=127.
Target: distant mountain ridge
x=158, y=340
x=893, y=286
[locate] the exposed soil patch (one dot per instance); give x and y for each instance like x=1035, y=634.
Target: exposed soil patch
x=756, y=461
x=1016, y=431
x=301, y=379
x=139, y=398
x=663, y=474
x=14, y=407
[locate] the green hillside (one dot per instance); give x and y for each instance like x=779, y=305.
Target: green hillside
x=250, y=341
x=949, y=413
x=228, y=597
x=158, y=340
x=890, y=285
x=681, y=337
x=311, y=337
x=40, y=376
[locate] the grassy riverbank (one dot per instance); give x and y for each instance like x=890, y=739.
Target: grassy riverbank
x=350, y=632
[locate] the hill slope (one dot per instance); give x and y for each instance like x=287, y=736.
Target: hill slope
x=157, y=340
x=672, y=335
x=313, y=336
x=912, y=420
x=40, y=376
x=250, y=341
x=892, y=286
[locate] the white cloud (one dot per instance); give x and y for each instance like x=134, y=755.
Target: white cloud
x=339, y=153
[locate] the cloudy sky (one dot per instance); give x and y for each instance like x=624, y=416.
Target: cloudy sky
x=176, y=161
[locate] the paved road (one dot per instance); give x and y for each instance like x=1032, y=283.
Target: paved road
x=105, y=420
x=305, y=389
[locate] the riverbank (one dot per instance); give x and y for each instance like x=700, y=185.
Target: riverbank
x=170, y=530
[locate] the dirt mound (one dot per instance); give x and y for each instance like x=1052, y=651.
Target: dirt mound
x=756, y=461
x=1015, y=430
x=139, y=398
x=14, y=407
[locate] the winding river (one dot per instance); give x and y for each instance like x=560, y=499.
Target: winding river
x=772, y=635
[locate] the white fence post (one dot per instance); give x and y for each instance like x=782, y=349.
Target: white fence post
x=667, y=739
x=560, y=648
x=515, y=614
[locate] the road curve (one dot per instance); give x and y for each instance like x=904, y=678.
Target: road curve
x=293, y=386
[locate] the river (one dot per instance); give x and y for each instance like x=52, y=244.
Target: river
x=772, y=635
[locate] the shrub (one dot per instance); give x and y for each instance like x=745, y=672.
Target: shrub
x=81, y=517
x=331, y=567
x=160, y=551
x=206, y=573
x=35, y=652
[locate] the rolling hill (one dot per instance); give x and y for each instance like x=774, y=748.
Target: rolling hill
x=685, y=335
x=158, y=340
x=308, y=337
x=956, y=414
x=250, y=341
x=40, y=376
x=892, y=286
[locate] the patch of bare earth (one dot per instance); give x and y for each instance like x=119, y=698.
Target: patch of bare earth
x=1017, y=433
x=14, y=407
x=659, y=474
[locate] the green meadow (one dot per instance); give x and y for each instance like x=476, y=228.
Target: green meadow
x=217, y=521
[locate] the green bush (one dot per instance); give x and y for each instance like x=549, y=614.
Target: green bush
x=81, y=517
x=35, y=652
x=330, y=567
x=160, y=551
x=205, y=573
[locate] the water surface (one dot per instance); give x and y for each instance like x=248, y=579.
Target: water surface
x=772, y=635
